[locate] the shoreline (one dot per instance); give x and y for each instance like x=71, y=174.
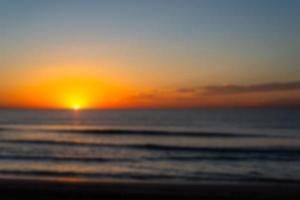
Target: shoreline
x=77, y=190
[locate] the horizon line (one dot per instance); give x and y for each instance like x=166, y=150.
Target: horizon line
x=156, y=108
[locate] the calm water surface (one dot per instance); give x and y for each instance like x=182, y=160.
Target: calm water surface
x=258, y=145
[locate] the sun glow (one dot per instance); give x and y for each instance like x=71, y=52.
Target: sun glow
x=74, y=91
x=77, y=102
x=76, y=107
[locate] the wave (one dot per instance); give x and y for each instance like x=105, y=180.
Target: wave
x=173, y=148
x=144, y=132
x=80, y=174
x=148, y=177
x=158, y=133
x=217, y=149
x=4, y=129
x=62, y=159
x=227, y=158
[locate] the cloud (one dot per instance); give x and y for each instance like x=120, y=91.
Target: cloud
x=147, y=95
x=144, y=96
x=283, y=102
x=267, y=87
x=187, y=90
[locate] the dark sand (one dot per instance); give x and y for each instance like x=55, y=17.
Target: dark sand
x=36, y=189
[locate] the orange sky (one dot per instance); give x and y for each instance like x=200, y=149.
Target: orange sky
x=149, y=54
x=85, y=90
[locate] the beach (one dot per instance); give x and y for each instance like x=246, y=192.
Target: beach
x=48, y=190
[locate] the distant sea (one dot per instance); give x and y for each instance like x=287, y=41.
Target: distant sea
x=173, y=146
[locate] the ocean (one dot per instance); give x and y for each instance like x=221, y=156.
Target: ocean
x=173, y=146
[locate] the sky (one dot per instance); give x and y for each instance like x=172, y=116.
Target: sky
x=149, y=54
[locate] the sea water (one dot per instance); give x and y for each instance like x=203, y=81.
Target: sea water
x=179, y=146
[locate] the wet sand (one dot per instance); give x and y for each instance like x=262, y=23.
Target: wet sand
x=50, y=190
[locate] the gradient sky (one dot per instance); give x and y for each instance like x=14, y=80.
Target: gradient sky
x=138, y=53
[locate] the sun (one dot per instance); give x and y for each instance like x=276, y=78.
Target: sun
x=77, y=102
x=76, y=107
